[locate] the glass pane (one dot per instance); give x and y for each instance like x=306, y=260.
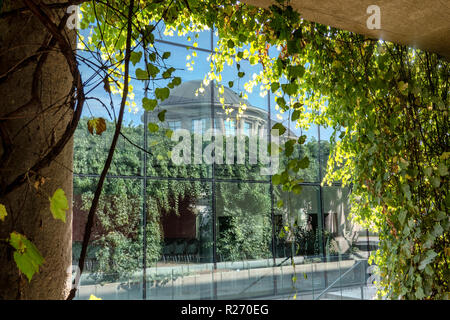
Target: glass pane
x=297, y=222
x=188, y=115
x=343, y=237
x=310, y=147
x=113, y=267
x=91, y=150
x=244, y=126
x=243, y=225
x=180, y=250
x=244, y=240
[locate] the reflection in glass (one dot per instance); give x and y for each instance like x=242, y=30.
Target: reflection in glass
x=297, y=222
x=244, y=230
x=343, y=236
x=116, y=245
x=180, y=213
x=183, y=213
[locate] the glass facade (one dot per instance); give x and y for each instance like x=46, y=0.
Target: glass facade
x=200, y=230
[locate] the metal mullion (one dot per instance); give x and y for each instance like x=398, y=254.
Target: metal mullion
x=94, y=175
x=182, y=45
x=213, y=183
x=272, y=198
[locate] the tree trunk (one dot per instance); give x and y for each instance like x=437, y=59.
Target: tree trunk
x=24, y=139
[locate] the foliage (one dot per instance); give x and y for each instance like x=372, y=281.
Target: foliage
x=387, y=103
x=119, y=246
x=59, y=205
x=389, y=106
x=26, y=255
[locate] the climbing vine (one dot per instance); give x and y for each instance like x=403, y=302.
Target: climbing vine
x=387, y=103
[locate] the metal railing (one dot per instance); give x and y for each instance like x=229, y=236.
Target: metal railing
x=339, y=279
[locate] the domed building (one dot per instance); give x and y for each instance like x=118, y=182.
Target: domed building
x=190, y=108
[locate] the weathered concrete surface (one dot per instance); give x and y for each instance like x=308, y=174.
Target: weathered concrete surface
x=423, y=24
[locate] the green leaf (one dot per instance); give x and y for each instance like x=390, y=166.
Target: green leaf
x=162, y=93
x=176, y=81
x=230, y=44
x=297, y=189
x=280, y=203
x=296, y=115
x=135, y=57
x=296, y=71
x=241, y=74
x=290, y=88
x=148, y=35
x=281, y=129
x=169, y=134
x=153, y=127
x=162, y=115
x=149, y=104
x=435, y=181
x=168, y=73
x=152, y=70
x=437, y=230
x=3, y=212
x=27, y=257
x=281, y=102
x=419, y=293
x=441, y=215
x=289, y=147
x=293, y=46
x=429, y=257
x=274, y=87
x=402, y=216
x=302, y=139
x=407, y=191
x=230, y=84
x=141, y=74
x=152, y=56
x=59, y=205
x=276, y=179
x=304, y=163
x=166, y=55
x=442, y=169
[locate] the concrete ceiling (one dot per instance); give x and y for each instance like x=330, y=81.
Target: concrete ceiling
x=423, y=24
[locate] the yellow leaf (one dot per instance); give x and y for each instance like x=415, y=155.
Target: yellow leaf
x=3, y=212
x=92, y=297
x=99, y=124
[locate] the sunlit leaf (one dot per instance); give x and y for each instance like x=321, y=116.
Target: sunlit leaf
x=27, y=257
x=59, y=205
x=149, y=104
x=3, y=212
x=98, y=125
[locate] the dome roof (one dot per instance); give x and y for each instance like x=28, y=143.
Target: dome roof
x=185, y=94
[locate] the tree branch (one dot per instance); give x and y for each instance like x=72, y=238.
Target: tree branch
x=98, y=191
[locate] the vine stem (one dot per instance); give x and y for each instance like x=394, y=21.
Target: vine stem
x=66, y=50
x=98, y=191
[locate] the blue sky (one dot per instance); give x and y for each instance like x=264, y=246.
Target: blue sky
x=179, y=61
